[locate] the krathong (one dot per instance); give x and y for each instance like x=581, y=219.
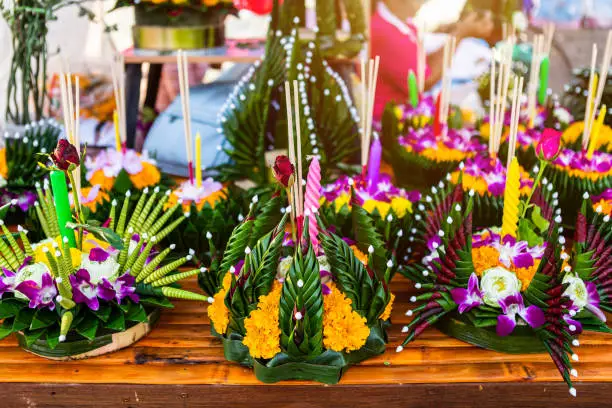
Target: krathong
x=88, y=285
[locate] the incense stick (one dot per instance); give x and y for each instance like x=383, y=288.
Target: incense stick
x=184, y=87
x=298, y=133
x=368, y=94
x=291, y=151
x=589, y=106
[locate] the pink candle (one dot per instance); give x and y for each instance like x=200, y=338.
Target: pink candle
x=311, y=201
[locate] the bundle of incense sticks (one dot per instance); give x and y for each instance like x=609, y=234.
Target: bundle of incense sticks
x=549, y=35
x=539, y=50
x=368, y=92
x=449, y=51
x=183, y=74
x=294, y=140
x=71, y=110
x=596, y=89
x=118, y=76
x=500, y=81
x=517, y=92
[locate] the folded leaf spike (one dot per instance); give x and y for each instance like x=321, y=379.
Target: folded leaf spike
x=43, y=220
x=155, y=213
x=139, y=205
x=142, y=258
x=65, y=325
x=113, y=215
x=27, y=246
x=9, y=255
x=166, y=269
x=123, y=215
x=150, y=267
x=176, y=277
x=15, y=247
x=134, y=255
x=162, y=220
x=51, y=212
x=64, y=276
x=66, y=252
x=182, y=294
x=166, y=231
x=52, y=263
x=126, y=247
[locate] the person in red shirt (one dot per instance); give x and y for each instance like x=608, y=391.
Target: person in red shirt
x=394, y=38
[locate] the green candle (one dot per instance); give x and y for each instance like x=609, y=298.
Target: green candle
x=544, y=74
x=62, y=205
x=413, y=89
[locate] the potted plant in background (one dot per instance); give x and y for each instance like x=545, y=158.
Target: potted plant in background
x=166, y=25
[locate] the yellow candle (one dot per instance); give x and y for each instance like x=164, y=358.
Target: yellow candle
x=117, y=135
x=511, y=200
x=596, y=131
x=198, y=160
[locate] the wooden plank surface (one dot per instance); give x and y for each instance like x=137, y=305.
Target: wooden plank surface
x=181, y=357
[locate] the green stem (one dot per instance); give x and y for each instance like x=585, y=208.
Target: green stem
x=543, y=165
x=77, y=208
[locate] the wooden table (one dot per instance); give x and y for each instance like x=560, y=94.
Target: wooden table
x=181, y=365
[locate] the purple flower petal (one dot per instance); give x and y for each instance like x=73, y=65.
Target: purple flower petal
x=534, y=316
x=514, y=299
x=98, y=255
x=325, y=289
x=505, y=325
x=524, y=260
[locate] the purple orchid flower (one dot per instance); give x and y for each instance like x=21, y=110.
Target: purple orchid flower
x=83, y=291
x=593, y=300
x=469, y=298
x=123, y=287
x=7, y=282
x=40, y=296
x=513, y=252
x=513, y=305
x=574, y=326
x=98, y=255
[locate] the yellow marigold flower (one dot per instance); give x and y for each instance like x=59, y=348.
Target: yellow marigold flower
x=573, y=132
x=382, y=207
x=387, y=313
x=591, y=175
x=179, y=1
x=606, y=206
x=217, y=311
x=359, y=255
x=40, y=256
x=398, y=112
x=149, y=176
x=105, y=183
x=341, y=201
x=443, y=154
x=3, y=166
x=485, y=130
x=401, y=206
x=343, y=328
x=210, y=3
x=468, y=116
x=262, y=328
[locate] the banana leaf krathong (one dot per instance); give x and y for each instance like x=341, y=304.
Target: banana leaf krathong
x=576, y=175
x=19, y=170
x=274, y=309
x=66, y=301
x=412, y=147
x=507, y=294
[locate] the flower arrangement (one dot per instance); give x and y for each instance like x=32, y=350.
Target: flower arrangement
x=486, y=176
x=19, y=169
x=424, y=151
x=288, y=306
x=122, y=170
x=88, y=289
x=513, y=289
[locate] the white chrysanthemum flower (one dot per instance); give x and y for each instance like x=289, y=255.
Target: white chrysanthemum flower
x=498, y=283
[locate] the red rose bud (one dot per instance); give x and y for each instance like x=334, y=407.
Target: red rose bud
x=549, y=146
x=284, y=171
x=65, y=155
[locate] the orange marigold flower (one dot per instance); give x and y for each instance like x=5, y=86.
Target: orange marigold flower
x=359, y=255
x=100, y=198
x=3, y=166
x=343, y=328
x=149, y=176
x=106, y=183
x=262, y=328
x=387, y=313
x=217, y=311
x=484, y=258
x=606, y=206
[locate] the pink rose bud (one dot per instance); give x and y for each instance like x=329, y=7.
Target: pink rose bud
x=549, y=146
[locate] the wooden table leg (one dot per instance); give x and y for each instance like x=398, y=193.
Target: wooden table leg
x=153, y=80
x=133, y=76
